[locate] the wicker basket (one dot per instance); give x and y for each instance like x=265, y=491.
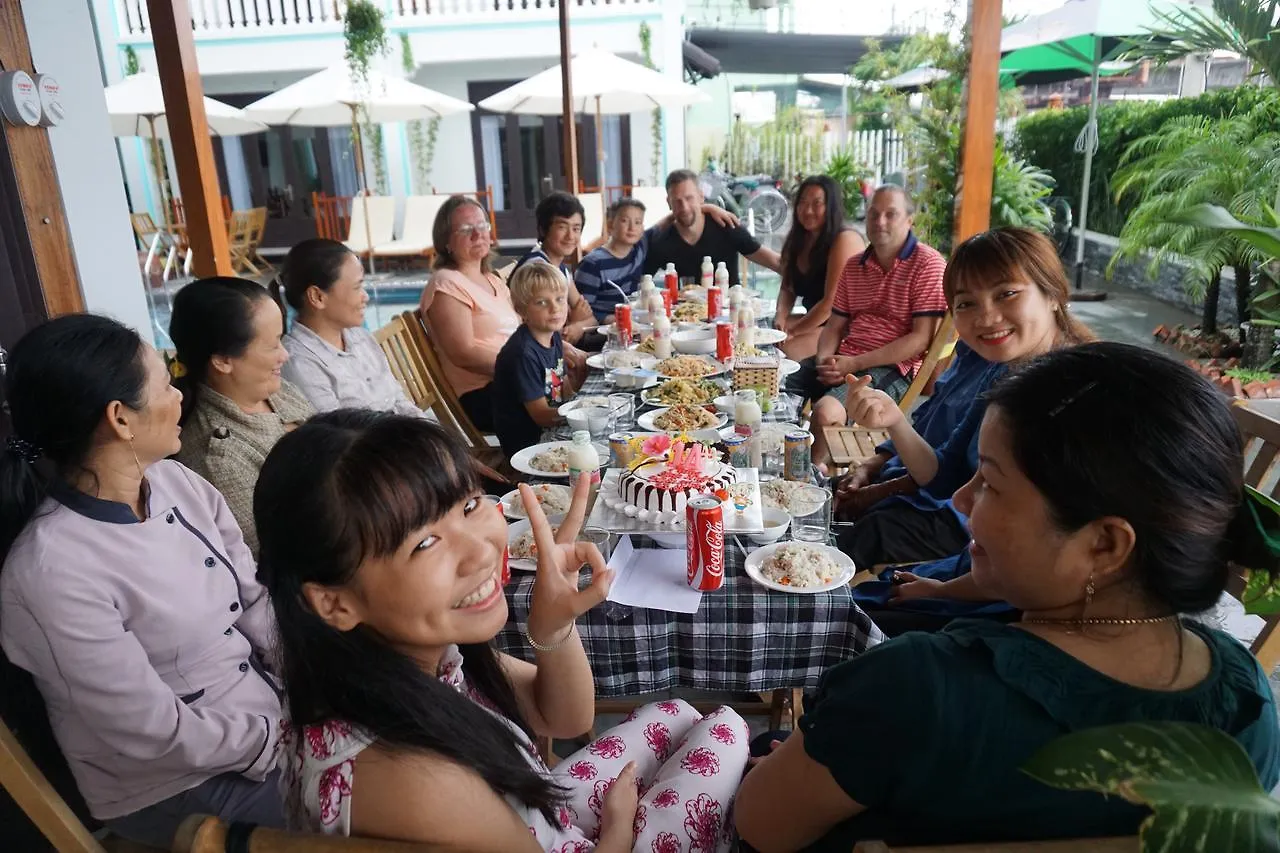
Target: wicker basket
x=757, y=373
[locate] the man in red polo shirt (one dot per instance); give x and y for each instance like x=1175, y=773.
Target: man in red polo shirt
x=888, y=304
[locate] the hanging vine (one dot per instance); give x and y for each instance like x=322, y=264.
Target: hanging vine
x=655, y=154
x=366, y=39
x=422, y=133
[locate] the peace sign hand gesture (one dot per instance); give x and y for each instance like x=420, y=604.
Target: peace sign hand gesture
x=557, y=602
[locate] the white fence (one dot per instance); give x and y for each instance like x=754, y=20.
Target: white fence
x=884, y=152
x=220, y=18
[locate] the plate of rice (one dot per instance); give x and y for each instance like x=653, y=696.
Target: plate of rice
x=554, y=498
x=522, y=551
x=805, y=568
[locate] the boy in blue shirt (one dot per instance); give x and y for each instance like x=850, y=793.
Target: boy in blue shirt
x=620, y=260
x=530, y=381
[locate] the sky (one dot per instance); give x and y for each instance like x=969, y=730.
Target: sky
x=866, y=17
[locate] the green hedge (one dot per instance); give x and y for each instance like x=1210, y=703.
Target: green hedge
x=1047, y=139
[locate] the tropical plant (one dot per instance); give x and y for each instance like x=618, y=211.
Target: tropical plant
x=365, y=39
x=1246, y=27
x=1199, y=783
x=1047, y=138
x=422, y=133
x=848, y=173
x=131, y=64
x=1233, y=162
x=655, y=152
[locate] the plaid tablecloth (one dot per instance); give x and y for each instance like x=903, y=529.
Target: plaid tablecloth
x=744, y=638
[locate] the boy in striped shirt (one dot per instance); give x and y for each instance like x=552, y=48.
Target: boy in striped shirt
x=620, y=260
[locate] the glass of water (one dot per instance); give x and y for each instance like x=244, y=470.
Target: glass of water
x=622, y=411
x=606, y=541
x=811, y=514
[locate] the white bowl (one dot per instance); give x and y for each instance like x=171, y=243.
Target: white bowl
x=633, y=377
x=776, y=523
x=695, y=341
x=725, y=404
x=593, y=419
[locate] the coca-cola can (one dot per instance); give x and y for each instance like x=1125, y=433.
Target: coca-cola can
x=724, y=340
x=704, y=538
x=713, y=303
x=622, y=317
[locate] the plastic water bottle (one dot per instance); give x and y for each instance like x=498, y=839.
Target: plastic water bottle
x=708, y=271
x=722, y=276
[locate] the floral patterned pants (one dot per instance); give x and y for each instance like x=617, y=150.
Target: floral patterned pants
x=688, y=767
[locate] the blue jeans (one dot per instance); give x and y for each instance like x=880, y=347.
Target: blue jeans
x=229, y=796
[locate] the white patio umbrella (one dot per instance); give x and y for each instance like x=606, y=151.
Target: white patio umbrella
x=135, y=106
x=333, y=98
x=603, y=83
x=1077, y=39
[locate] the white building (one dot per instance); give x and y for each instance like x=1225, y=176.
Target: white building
x=465, y=48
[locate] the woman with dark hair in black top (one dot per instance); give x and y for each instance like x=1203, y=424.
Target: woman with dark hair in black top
x=816, y=249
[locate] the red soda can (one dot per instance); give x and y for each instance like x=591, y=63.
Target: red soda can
x=724, y=340
x=673, y=285
x=622, y=316
x=713, y=303
x=668, y=301
x=704, y=538
x=506, y=567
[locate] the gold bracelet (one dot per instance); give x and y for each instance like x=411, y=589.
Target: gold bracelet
x=551, y=648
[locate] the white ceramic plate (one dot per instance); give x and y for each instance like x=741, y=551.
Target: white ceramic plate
x=636, y=329
x=646, y=420
x=768, y=337
x=514, y=531
x=523, y=460
x=788, y=367
x=511, y=500
x=718, y=368
x=755, y=560
x=600, y=361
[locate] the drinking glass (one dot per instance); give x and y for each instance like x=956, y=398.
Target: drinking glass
x=606, y=541
x=811, y=514
x=599, y=420
x=622, y=410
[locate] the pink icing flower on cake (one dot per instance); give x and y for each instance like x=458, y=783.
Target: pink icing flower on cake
x=656, y=445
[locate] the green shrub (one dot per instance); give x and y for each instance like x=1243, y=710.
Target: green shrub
x=1047, y=139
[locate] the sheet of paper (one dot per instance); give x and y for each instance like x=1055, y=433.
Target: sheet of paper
x=653, y=578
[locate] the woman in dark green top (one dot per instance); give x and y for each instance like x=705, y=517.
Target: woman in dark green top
x=1107, y=502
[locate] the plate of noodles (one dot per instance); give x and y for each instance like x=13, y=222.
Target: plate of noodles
x=682, y=418
x=804, y=568
x=688, y=367
x=673, y=392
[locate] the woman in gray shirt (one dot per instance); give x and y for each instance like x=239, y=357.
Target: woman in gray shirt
x=127, y=591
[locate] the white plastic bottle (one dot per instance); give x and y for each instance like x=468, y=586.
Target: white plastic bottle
x=746, y=327
x=747, y=416
x=583, y=459
x=708, y=271
x=646, y=284
x=662, y=337
x=721, y=277
x=737, y=295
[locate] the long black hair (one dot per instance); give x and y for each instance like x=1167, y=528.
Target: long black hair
x=1107, y=429
x=832, y=224
x=348, y=486
x=316, y=262
x=211, y=316
x=62, y=375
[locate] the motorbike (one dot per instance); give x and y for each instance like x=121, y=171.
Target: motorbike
x=759, y=194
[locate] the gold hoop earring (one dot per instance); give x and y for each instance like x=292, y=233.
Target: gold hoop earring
x=136, y=463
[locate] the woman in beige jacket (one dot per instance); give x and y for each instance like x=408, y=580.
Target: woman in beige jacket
x=235, y=406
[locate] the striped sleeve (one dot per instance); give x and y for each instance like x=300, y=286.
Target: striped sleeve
x=927, y=297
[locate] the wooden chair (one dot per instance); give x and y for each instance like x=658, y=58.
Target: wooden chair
x=1076, y=845
x=156, y=241
x=850, y=445
x=239, y=229
x=1261, y=449
x=332, y=215
x=257, y=228
x=203, y=834
x=435, y=371
x=32, y=792
x=410, y=369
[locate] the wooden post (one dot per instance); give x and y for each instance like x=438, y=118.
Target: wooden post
x=189, y=135
x=977, y=152
x=566, y=89
x=37, y=180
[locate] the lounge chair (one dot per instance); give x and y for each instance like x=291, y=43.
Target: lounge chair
x=415, y=236
x=381, y=227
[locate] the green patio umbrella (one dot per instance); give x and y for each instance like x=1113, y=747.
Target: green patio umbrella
x=1081, y=37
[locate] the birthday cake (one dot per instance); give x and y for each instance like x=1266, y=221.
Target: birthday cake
x=664, y=485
